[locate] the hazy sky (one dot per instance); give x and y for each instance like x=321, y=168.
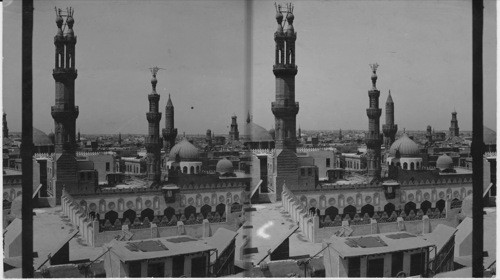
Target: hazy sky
x=424, y=49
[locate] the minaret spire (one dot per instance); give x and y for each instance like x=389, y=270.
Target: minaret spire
x=389, y=128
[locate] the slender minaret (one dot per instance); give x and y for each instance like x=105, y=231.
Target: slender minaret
x=208, y=137
x=340, y=134
x=64, y=112
x=374, y=138
x=234, y=134
x=285, y=108
x=429, y=134
x=4, y=126
x=119, y=138
x=389, y=128
x=153, y=141
x=169, y=132
x=300, y=133
x=454, y=131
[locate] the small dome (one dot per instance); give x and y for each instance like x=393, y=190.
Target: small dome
x=444, y=162
x=185, y=150
x=40, y=138
x=224, y=166
x=405, y=146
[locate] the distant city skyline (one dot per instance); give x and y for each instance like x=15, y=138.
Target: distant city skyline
x=424, y=50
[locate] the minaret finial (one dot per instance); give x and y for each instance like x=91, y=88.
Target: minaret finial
x=374, y=67
x=154, y=70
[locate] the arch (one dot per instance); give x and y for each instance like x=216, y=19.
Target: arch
x=410, y=205
x=156, y=202
x=111, y=206
x=102, y=206
x=92, y=207
x=331, y=201
x=185, y=170
x=332, y=212
x=121, y=204
x=351, y=210
x=389, y=208
x=425, y=205
x=229, y=198
x=191, y=170
x=149, y=213
x=221, y=209
x=341, y=200
x=205, y=209
x=405, y=166
x=198, y=200
x=169, y=212
x=322, y=201
x=376, y=198
x=412, y=166
x=130, y=215
x=441, y=204
x=359, y=199
x=138, y=203
x=111, y=216
x=303, y=200
x=190, y=210
x=313, y=203
x=148, y=203
x=368, y=208
x=213, y=200
x=190, y=201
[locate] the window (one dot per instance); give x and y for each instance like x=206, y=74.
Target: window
x=107, y=166
x=397, y=263
x=327, y=162
x=354, y=267
x=134, y=269
x=417, y=264
x=375, y=268
x=178, y=266
x=156, y=269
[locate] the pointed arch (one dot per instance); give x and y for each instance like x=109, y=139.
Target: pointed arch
x=332, y=212
x=368, y=208
x=205, y=209
x=149, y=213
x=130, y=215
x=425, y=205
x=169, y=212
x=111, y=216
x=410, y=205
x=350, y=210
x=389, y=208
x=190, y=210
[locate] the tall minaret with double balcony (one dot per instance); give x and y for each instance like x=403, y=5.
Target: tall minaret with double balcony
x=285, y=108
x=373, y=139
x=154, y=141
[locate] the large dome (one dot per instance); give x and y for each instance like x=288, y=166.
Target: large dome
x=224, y=166
x=444, y=162
x=185, y=150
x=405, y=146
x=256, y=133
x=40, y=138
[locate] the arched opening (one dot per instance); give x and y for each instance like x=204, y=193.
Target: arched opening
x=205, y=209
x=191, y=170
x=368, y=208
x=148, y=213
x=169, y=212
x=405, y=166
x=440, y=204
x=418, y=165
x=410, y=206
x=389, y=208
x=190, y=210
x=351, y=210
x=111, y=216
x=425, y=205
x=221, y=209
x=332, y=212
x=130, y=215
x=185, y=170
x=412, y=166
x=197, y=169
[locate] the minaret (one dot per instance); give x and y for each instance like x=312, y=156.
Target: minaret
x=234, y=134
x=208, y=137
x=78, y=137
x=4, y=126
x=454, y=131
x=374, y=138
x=389, y=128
x=153, y=141
x=429, y=134
x=285, y=108
x=340, y=134
x=169, y=132
x=64, y=112
x=119, y=138
x=300, y=133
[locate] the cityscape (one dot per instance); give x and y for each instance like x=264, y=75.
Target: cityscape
x=162, y=150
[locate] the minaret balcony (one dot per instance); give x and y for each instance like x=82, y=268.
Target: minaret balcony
x=154, y=97
x=390, y=129
x=373, y=140
x=283, y=111
x=64, y=112
x=169, y=133
x=285, y=69
x=153, y=142
x=153, y=117
x=374, y=93
x=61, y=74
x=373, y=113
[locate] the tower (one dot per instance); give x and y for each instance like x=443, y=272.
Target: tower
x=234, y=134
x=454, y=131
x=429, y=134
x=389, y=128
x=153, y=141
x=373, y=139
x=285, y=108
x=64, y=112
x=78, y=137
x=300, y=133
x=119, y=138
x=340, y=134
x=208, y=137
x=169, y=132
x=4, y=126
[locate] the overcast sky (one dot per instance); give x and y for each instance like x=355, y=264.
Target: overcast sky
x=424, y=50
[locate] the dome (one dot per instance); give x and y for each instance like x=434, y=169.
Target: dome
x=405, y=146
x=224, y=166
x=40, y=138
x=444, y=162
x=185, y=150
x=256, y=133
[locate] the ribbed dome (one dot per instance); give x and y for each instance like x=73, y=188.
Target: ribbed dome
x=405, y=146
x=444, y=162
x=256, y=133
x=224, y=166
x=40, y=138
x=185, y=150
